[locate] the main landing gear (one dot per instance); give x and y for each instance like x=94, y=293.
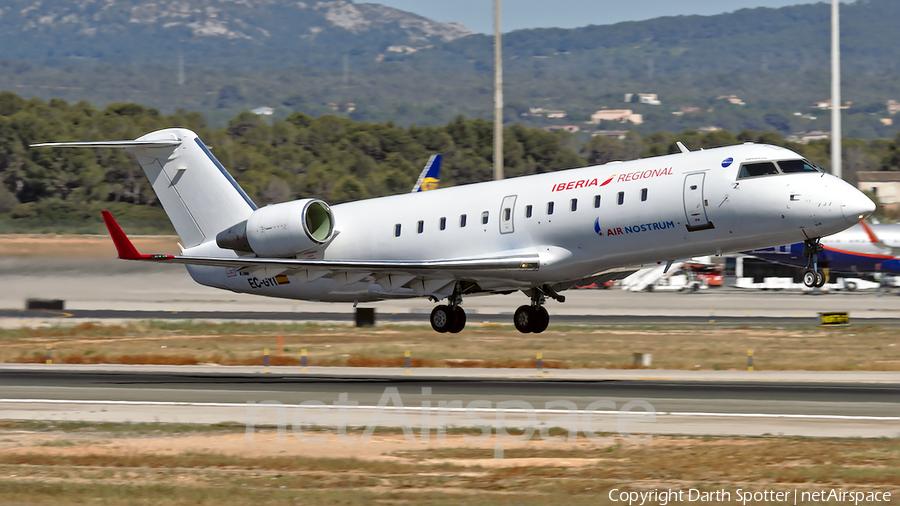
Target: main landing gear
x=534, y=318
x=531, y=318
x=813, y=277
x=449, y=318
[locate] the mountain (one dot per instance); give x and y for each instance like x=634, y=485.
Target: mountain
x=372, y=63
x=245, y=33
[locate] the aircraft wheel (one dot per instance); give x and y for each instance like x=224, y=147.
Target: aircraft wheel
x=810, y=278
x=442, y=318
x=541, y=320
x=459, y=323
x=820, y=279
x=524, y=319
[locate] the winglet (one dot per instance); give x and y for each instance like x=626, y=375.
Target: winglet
x=872, y=236
x=878, y=242
x=126, y=249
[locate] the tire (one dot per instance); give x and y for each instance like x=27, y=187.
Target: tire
x=523, y=319
x=541, y=320
x=820, y=279
x=459, y=320
x=810, y=278
x=850, y=286
x=442, y=318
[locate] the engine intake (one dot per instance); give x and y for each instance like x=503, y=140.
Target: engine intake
x=281, y=230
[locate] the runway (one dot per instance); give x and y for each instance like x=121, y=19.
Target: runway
x=747, y=408
x=107, y=288
x=806, y=404
x=412, y=317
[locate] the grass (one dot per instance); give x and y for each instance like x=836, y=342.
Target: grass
x=106, y=467
x=867, y=347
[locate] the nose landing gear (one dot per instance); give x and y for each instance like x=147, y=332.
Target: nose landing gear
x=813, y=277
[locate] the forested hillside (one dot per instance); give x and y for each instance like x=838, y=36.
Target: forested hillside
x=333, y=158
x=370, y=63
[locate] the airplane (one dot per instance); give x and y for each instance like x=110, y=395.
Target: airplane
x=430, y=176
x=860, y=249
x=539, y=234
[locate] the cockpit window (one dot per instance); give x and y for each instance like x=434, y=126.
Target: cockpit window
x=790, y=166
x=757, y=169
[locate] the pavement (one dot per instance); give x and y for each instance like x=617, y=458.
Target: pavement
x=824, y=408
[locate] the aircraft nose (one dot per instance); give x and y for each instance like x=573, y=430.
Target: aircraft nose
x=856, y=206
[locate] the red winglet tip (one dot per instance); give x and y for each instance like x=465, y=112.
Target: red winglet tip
x=126, y=249
x=872, y=236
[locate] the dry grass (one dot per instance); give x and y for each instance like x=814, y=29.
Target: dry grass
x=124, y=467
x=42, y=245
x=699, y=347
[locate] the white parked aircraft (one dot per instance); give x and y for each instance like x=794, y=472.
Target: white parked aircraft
x=537, y=234
x=859, y=249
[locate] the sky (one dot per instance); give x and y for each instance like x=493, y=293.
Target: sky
x=477, y=15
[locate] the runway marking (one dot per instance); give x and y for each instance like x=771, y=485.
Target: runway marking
x=58, y=314
x=456, y=410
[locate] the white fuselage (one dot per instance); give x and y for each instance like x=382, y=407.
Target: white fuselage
x=856, y=240
x=672, y=207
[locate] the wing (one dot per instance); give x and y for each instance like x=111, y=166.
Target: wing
x=127, y=251
x=895, y=252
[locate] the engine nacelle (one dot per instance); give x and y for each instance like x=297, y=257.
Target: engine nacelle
x=281, y=230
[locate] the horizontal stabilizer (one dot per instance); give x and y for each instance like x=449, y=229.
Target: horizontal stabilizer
x=161, y=143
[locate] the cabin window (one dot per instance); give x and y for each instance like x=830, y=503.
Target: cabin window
x=549, y=208
x=621, y=198
x=644, y=195
x=528, y=211
x=573, y=204
x=397, y=230
x=462, y=220
x=596, y=201
x=757, y=169
x=507, y=214
x=421, y=227
x=443, y=223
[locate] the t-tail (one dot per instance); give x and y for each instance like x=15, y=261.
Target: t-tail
x=430, y=176
x=199, y=195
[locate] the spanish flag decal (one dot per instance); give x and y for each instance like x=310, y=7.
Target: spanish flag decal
x=282, y=279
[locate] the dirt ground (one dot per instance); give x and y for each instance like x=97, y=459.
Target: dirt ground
x=563, y=347
x=63, y=246
x=42, y=463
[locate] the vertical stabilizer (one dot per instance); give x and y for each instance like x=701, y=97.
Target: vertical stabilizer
x=430, y=176
x=198, y=194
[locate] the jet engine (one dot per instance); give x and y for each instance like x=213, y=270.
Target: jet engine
x=281, y=230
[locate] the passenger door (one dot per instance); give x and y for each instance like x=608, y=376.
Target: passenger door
x=507, y=211
x=694, y=203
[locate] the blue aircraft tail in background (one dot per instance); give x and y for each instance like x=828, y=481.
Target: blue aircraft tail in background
x=430, y=176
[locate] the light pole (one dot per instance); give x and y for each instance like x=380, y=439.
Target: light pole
x=836, y=89
x=498, y=97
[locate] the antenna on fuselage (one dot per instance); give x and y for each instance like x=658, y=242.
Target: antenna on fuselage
x=682, y=147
